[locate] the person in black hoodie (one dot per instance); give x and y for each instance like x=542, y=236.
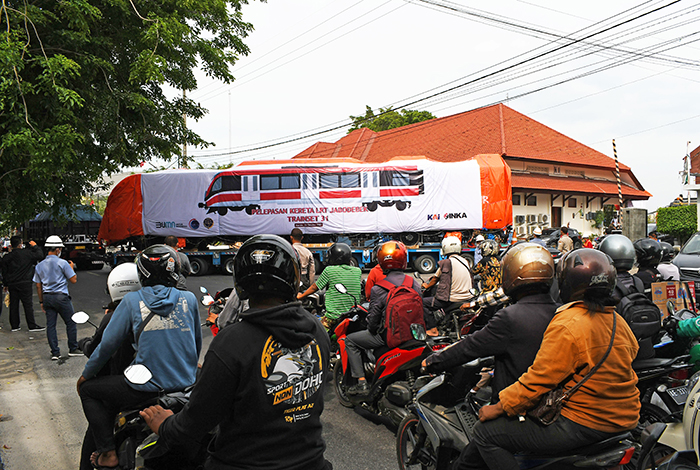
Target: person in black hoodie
x=17, y=272
x=263, y=375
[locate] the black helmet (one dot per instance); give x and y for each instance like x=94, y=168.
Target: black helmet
x=339, y=253
x=526, y=264
x=667, y=251
x=158, y=265
x=648, y=252
x=585, y=272
x=620, y=249
x=266, y=265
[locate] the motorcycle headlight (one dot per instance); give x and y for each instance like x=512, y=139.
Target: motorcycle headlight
x=693, y=380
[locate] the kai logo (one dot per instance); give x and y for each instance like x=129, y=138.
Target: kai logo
x=433, y=216
x=283, y=395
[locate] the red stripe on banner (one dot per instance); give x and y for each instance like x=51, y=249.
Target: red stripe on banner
x=278, y=196
x=399, y=192
x=338, y=194
x=223, y=198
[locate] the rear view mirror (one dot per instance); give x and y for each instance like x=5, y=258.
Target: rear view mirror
x=341, y=288
x=418, y=332
x=138, y=374
x=80, y=317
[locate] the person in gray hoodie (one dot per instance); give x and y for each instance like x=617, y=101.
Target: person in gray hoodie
x=263, y=377
x=167, y=334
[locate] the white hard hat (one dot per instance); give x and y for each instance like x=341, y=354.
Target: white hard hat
x=123, y=279
x=480, y=238
x=537, y=231
x=451, y=245
x=54, y=242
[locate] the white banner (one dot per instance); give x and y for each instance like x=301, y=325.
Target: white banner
x=341, y=196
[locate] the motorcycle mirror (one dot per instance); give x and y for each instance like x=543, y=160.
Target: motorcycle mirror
x=341, y=288
x=418, y=332
x=81, y=318
x=670, y=308
x=207, y=300
x=203, y=290
x=138, y=374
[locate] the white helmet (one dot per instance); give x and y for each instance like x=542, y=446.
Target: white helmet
x=54, y=242
x=479, y=238
x=537, y=231
x=451, y=245
x=123, y=279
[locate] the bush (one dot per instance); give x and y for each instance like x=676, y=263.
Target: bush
x=681, y=221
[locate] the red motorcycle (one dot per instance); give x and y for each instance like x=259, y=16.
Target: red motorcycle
x=390, y=373
x=214, y=306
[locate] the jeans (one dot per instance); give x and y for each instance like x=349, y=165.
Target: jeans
x=54, y=305
x=495, y=441
x=102, y=399
x=21, y=293
x=354, y=344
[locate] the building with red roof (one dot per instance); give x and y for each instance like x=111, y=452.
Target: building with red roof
x=555, y=179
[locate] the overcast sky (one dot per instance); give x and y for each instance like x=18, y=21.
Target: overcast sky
x=314, y=63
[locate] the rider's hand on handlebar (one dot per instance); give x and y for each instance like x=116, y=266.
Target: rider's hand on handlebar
x=489, y=412
x=670, y=324
x=154, y=416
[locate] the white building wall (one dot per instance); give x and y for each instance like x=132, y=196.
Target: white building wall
x=541, y=214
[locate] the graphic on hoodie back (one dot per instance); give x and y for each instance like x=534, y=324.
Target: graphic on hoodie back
x=176, y=320
x=292, y=377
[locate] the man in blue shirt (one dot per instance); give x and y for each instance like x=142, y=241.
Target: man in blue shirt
x=51, y=277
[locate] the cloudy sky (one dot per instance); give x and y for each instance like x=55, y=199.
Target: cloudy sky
x=595, y=71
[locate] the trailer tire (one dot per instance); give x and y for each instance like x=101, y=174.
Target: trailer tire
x=228, y=266
x=425, y=264
x=401, y=205
x=372, y=206
x=199, y=267
x=469, y=258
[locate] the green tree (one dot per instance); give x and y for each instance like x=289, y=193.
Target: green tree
x=83, y=90
x=387, y=118
x=679, y=221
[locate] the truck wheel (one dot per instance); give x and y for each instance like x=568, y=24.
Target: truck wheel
x=199, y=266
x=372, y=206
x=228, y=266
x=409, y=238
x=401, y=205
x=425, y=264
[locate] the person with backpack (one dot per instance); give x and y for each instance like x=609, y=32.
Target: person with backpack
x=514, y=334
x=668, y=270
x=453, y=278
x=640, y=313
x=395, y=304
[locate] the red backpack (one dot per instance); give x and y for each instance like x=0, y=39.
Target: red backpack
x=404, y=306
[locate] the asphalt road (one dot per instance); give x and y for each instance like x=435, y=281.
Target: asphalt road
x=42, y=423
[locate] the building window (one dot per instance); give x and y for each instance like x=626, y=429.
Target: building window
x=516, y=199
x=572, y=202
x=531, y=201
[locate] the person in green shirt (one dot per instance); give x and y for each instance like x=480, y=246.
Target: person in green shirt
x=338, y=271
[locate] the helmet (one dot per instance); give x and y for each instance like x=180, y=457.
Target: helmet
x=586, y=272
x=648, y=252
x=266, y=265
x=123, y=279
x=392, y=255
x=479, y=238
x=620, y=249
x=537, y=231
x=667, y=251
x=489, y=247
x=339, y=253
x=54, y=241
x=526, y=264
x=158, y=265
x=451, y=245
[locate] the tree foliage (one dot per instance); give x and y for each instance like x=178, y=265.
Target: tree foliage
x=680, y=221
x=387, y=119
x=83, y=90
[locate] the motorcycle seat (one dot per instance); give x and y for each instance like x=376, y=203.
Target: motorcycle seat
x=411, y=344
x=657, y=362
x=591, y=448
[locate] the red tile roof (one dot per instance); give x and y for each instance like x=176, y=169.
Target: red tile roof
x=574, y=185
x=493, y=129
x=695, y=161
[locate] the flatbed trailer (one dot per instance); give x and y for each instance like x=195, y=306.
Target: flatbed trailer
x=201, y=262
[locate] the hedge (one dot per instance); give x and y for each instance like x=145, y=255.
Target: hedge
x=681, y=221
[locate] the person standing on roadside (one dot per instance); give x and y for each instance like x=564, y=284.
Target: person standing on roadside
x=566, y=244
x=306, y=259
x=17, y=273
x=52, y=277
x=537, y=237
x=185, y=268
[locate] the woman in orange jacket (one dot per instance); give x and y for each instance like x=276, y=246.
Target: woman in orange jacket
x=575, y=341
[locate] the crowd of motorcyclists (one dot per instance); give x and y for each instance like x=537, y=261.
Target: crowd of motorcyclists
x=270, y=359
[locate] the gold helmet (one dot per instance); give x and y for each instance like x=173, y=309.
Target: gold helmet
x=526, y=264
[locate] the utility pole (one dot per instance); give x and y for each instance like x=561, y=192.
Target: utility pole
x=184, y=144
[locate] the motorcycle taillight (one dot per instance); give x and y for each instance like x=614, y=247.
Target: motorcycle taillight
x=681, y=374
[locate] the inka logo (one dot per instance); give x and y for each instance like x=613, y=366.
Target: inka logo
x=433, y=216
x=455, y=215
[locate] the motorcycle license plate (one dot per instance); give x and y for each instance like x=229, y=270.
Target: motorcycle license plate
x=678, y=394
x=97, y=262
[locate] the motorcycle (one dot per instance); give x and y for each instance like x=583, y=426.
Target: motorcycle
x=139, y=448
x=390, y=373
x=439, y=424
x=214, y=306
